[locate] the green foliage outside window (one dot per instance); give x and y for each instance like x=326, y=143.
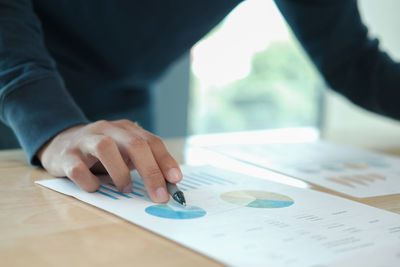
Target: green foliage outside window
x=282, y=90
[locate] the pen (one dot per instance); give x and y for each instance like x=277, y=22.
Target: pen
x=176, y=194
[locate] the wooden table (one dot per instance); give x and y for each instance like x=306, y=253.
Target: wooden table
x=40, y=227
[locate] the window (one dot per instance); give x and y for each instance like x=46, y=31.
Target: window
x=250, y=73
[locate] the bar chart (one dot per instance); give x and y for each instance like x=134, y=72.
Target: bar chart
x=351, y=171
x=191, y=181
x=355, y=180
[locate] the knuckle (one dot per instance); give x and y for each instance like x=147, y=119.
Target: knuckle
x=137, y=125
x=104, y=143
x=124, y=122
x=76, y=171
x=155, y=140
x=137, y=142
x=101, y=124
x=154, y=174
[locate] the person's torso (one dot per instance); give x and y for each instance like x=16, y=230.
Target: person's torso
x=123, y=37
x=122, y=44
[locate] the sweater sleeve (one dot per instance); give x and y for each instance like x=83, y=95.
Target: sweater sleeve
x=33, y=99
x=332, y=33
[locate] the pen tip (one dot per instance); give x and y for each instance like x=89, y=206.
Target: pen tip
x=180, y=198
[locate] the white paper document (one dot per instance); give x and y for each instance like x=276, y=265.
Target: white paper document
x=245, y=221
x=347, y=170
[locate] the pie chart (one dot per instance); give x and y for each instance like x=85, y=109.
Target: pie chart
x=257, y=199
x=175, y=212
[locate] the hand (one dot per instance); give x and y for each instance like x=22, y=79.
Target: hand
x=117, y=146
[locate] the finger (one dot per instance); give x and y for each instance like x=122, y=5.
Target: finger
x=76, y=170
x=165, y=161
x=106, y=151
x=143, y=159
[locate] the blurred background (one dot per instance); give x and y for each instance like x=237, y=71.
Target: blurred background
x=250, y=73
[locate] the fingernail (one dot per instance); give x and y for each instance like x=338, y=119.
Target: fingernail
x=175, y=175
x=127, y=189
x=161, y=194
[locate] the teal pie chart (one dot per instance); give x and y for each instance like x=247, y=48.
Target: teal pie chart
x=175, y=212
x=257, y=199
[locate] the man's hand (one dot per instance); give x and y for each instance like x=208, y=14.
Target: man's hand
x=117, y=146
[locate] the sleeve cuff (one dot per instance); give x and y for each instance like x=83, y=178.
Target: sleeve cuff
x=39, y=110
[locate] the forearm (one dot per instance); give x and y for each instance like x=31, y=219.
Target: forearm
x=335, y=38
x=33, y=99
x=37, y=111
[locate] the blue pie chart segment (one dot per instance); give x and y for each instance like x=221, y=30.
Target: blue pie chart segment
x=177, y=213
x=257, y=199
x=266, y=203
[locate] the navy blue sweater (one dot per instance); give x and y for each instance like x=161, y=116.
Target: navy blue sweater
x=63, y=61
